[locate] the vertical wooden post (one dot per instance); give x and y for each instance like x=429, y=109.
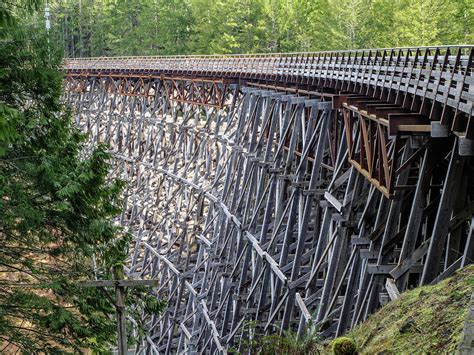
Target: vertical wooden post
x=120, y=309
x=440, y=231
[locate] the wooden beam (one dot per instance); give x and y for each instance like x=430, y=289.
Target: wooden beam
x=407, y=123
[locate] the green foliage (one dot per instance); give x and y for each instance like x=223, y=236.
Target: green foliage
x=57, y=206
x=289, y=343
x=138, y=301
x=343, y=346
x=10, y=10
x=159, y=27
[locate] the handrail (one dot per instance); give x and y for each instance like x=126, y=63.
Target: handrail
x=277, y=54
x=438, y=73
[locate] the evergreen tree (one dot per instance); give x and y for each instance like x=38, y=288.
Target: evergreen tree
x=56, y=208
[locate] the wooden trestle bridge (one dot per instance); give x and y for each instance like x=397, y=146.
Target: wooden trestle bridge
x=282, y=190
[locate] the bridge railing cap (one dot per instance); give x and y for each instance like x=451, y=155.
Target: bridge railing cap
x=277, y=54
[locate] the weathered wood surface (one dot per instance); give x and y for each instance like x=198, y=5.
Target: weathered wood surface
x=250, y=209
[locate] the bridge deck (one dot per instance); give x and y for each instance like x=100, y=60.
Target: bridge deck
x=444, y=75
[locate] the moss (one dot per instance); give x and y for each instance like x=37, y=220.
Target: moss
x=428, y=319
x=343, y=346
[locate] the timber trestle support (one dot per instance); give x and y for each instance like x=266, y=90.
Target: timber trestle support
x=275, y=192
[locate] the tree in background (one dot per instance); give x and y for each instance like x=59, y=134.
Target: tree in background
x=56, y=207
x=104, y=27
x=292, y=25
x=434, y=22
x=232, y=26
x=157, y=27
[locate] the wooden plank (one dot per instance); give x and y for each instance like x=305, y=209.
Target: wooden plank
x=185, y=331
x=392, y=289
x=304, y=311
x=355, y=240
x=372, y=108
x=368, y=254
x=374, y=269
x=333, y=201
x=407, y=122
x=468, y=255
x=407, y=263
x=383, y=112
x=448, y=272
x=274, y=266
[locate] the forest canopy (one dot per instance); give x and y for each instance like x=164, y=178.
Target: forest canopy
x=163, y=27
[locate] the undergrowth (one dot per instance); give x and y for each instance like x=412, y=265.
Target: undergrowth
x=289, y=343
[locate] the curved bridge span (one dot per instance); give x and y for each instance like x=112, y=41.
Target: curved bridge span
x=273, y=192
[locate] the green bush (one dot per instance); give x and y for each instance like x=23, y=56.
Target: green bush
x=344, y=346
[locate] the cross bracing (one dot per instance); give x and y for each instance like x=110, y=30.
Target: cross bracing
x=257, y=198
